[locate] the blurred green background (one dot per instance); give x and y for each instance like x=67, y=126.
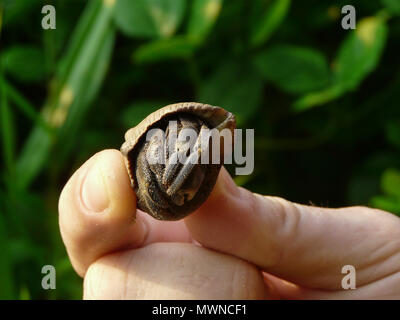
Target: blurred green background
x=324, y=103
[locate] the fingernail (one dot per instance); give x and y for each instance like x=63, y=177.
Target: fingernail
x=94, y=190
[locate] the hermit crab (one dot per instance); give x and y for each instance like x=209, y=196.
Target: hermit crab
x=168, y=172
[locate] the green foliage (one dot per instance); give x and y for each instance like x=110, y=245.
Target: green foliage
x=358, y=55
x=235, y=87
x=392, y=129
x=134, y=113
x=16, y=11
x=164, y=49
x=202, y=17
x=68, y=93
x=390, y=185
x=294, y=69
x=76, y=83
x=272, y=15
x=149, y=18
x=14, y=62
x=6, y=280
x=360, y=52
x=8, y=130
x=392, y=5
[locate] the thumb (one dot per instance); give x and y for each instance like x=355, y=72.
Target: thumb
x=97, y=209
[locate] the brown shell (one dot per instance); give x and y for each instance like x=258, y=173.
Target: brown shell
x=214, y=117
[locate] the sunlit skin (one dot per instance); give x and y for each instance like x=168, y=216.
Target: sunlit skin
x=238, y=245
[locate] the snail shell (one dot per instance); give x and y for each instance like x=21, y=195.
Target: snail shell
x=169, y=191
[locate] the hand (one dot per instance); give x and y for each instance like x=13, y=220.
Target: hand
x=238, y=245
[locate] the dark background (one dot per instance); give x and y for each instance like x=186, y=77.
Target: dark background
x=324, y=103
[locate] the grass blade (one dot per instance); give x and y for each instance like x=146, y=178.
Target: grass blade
x=25, y=106
x=71, y=87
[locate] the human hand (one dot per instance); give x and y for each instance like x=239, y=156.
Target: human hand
x=238, y=245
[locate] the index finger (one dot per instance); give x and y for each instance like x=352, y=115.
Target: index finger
x=303, y=244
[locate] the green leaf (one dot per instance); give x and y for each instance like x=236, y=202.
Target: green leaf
x=391, y=182
x=273, y=13
x=24, y=63
x=202, y=17
x=21, y=249
x=33, y=156
x=317, y=98
x=163, y=49
x=293, y=69
x=392, y=5
x=137, y=111
x=358, y=55
x=24, y=294
x=243, y=180
x=149, y=18
x=78, y=37
x=16, y=11
x=392, y=130
x=234, y=86
x=360, y=52
x=79, y=108
x=390, y=204
x=367, y=175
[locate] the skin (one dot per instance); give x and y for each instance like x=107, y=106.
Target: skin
x=238, y=245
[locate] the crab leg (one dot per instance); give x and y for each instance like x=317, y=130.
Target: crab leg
x=187, y=167
x=152, y=194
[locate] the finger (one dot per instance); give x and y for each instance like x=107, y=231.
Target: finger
x=173, y=271
x=97, y=210
x=284, y=290
x=164, y=231
x=306, y=245
x=388, y=289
